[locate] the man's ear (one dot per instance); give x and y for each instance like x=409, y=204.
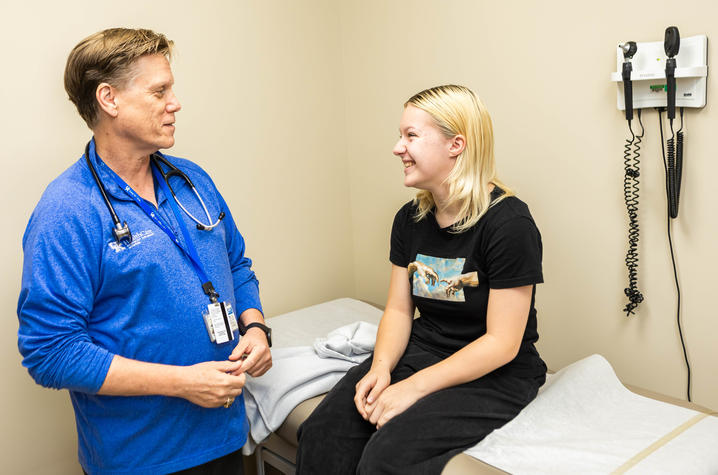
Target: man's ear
x=107, y=99
x=458, y=144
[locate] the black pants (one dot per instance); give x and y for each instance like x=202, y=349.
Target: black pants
x=336, y=440
x=230, y=464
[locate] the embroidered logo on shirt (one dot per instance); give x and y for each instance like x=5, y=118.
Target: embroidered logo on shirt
x=440, y=278
x=136, y=240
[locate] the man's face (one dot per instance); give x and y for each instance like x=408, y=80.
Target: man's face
x=147, y=105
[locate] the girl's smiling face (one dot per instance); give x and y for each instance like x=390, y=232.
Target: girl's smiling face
x=427, y=154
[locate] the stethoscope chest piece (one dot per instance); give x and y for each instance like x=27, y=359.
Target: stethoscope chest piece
x=122, y=233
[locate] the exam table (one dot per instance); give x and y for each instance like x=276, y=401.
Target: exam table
x=302, y=327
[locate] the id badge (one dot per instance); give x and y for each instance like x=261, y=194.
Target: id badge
x=221, y=322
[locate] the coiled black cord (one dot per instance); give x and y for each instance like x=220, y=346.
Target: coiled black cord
x=679, y=162
x=670, y=243
x=671, y=167
x=631, y=163
x=675, y=167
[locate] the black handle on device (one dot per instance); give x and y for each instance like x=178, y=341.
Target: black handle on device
x=671, y=87
x=628, y=90
x=671, y=45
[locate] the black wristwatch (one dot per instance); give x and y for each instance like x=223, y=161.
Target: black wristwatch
x=267, y=331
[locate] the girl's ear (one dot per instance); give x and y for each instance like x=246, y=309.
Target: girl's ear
x=458, y=144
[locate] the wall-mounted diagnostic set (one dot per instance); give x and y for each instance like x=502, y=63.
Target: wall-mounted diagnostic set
x=662, y=75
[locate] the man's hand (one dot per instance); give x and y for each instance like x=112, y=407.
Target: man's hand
x=394, y=400
x=253, y=353
x=211, y=384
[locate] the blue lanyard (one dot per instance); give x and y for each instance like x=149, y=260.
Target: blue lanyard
x=190, y=251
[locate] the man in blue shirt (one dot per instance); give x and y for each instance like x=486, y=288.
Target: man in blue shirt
x=139, y=325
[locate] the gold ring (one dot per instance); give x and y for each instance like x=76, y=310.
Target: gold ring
x=229, y=402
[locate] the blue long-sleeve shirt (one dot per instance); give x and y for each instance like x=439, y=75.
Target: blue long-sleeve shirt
x=85, y=298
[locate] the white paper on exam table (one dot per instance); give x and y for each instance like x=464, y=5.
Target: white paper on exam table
x=585, y=421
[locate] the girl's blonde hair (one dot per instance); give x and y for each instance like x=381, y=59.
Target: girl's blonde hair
x=457, y=111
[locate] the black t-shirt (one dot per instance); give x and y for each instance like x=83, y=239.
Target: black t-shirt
x=451, y=275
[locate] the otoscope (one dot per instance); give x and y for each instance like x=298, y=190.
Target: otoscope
x=629, y=49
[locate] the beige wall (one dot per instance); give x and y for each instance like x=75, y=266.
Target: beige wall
x=543, y=69
x=293, y=107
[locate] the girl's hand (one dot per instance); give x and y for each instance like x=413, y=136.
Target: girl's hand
x=394, y=400
x=369, y=388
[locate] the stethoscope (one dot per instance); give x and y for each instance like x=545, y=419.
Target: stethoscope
x=122, y=231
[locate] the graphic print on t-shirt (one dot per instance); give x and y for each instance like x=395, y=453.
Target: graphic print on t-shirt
x=441, y=278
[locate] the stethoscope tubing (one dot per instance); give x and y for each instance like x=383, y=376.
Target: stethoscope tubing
x=157, y=159
x=115, y=219
x=174, y=171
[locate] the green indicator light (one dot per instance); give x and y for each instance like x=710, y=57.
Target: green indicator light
x=658, y=87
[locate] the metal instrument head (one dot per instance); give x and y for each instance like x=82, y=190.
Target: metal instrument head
x=122, y=233
x=629, y=49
